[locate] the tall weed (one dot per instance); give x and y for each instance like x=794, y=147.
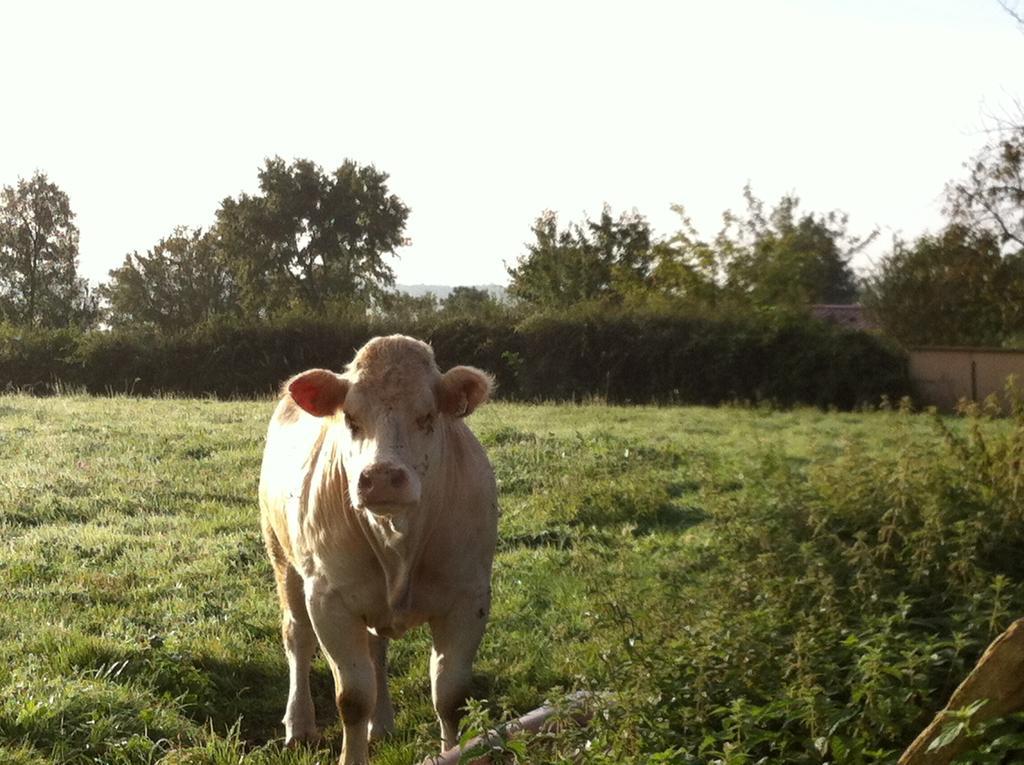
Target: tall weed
x=845, y=605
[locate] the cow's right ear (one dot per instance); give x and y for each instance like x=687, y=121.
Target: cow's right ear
x=318, y=391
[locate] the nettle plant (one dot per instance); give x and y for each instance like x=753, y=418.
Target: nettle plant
x=827, y=615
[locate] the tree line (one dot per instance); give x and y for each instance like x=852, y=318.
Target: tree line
x=316, y=242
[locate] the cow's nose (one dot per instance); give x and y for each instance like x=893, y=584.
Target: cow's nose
x=380, y=476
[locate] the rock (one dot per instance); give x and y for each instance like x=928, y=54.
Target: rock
x=997, y=678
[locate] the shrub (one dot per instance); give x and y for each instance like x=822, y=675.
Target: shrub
x=849, y=602
x=33, y=359
x=617, y=355
x=630, y=357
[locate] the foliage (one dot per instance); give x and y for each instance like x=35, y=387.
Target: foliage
x=848, y=602
x=404, y=309
x=312, y=242
x=629, y=356
x=462, y=302
x=37, y=357
x=682, y=357
x=997, y=741
x=774, y=260
x=595, y=260
x=950, y=288
x=965, y=284
x=472, y=302
x=309, y=238
x=182, y=281
x=686, y=268
x=780, y=258
x=991, y=198
x=39, y=282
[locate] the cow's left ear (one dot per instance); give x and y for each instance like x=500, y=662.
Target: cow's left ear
x=463, y=389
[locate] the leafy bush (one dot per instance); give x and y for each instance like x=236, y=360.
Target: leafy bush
x=620, y=356
x=32, y=359
x=848, y=603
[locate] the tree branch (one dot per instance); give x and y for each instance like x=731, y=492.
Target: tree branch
x=1012, y=10
x=996, y=216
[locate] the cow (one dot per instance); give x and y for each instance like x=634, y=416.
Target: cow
x=379, y=512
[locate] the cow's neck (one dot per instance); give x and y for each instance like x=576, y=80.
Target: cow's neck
x=398, y=541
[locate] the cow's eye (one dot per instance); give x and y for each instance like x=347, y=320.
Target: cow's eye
x=353, y=426
x=426, y=422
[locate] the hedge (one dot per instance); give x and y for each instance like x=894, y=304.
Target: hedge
x=617, y=356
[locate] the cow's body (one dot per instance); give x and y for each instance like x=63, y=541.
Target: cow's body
x=379, y=512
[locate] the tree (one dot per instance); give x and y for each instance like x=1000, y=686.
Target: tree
x=786, y=259
x=182, y=281
x=964, y=285
x=471, y=301
x=404, y=308
x=782, y=258
x=686, y=268
x=598, y=260
x=311, y=239
x=39, y=282
x=991, y=198
x=950, y=288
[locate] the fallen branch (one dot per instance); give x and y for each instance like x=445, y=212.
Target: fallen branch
x=531, y=722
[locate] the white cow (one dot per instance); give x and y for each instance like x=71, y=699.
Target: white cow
x=379, y=512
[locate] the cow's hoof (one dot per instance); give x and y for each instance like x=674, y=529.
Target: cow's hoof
x=298, y=737
x=381, y=728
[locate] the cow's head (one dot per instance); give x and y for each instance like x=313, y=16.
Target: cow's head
x=392, y=407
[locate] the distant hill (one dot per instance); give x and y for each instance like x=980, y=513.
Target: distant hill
x=441, y=291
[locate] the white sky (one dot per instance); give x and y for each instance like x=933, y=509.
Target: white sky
x=486, y=114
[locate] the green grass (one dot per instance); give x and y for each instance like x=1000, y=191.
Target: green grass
x=138, y=622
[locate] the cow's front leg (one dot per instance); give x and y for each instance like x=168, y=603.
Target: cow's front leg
x=456, y=637
x=344, y=640
x=383, y=720
x=299, y=645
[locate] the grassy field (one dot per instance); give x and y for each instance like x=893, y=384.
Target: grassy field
x=742, y=585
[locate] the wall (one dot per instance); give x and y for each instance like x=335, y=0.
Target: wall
x=943, y=376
